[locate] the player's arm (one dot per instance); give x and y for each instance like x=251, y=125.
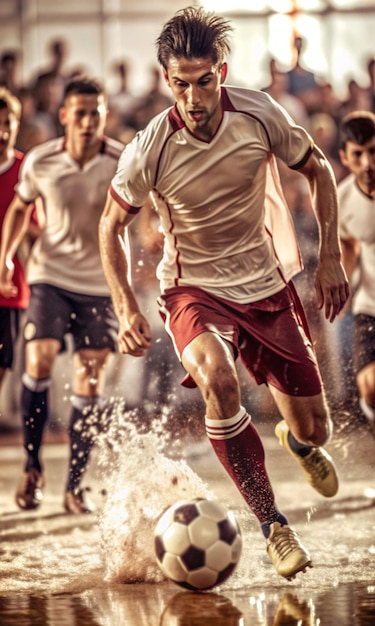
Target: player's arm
x=15, y=225
x=331, y=282
x=134, y=333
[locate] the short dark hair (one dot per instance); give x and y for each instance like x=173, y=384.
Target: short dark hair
x=357, y=127
x=194, y=33
x=84, y=85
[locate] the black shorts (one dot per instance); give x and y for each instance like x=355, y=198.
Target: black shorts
x=9, y=326
x=363, y=341
x=54, y=313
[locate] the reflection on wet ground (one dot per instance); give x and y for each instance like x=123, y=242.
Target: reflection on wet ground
x=162, y=605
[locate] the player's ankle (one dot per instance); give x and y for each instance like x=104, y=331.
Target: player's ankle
x=266, y=526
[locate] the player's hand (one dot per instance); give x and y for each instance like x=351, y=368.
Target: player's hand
x=134, y=336
x=332, y=287
x=7, y=287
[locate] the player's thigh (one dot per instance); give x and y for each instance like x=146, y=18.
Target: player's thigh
x=364, y=355
x=88, y=370
x=48, y=314
x=307, y=416
x=366, y=383
x=40, y=356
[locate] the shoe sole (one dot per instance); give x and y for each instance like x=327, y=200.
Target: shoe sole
x=302, y=568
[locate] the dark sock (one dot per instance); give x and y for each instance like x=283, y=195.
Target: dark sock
x=266, y=526
x=84, y=419
x=34, y=404
x=299, y=448
x=239, y=448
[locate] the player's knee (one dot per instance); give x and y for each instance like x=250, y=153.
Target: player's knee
x=322, y=432
x=366, y=385
x=315, y=430
x=222, y=384
x=39, y=366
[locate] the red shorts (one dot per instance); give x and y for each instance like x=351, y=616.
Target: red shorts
x=271, y=336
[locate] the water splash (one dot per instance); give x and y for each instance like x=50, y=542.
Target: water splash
x=140, y=482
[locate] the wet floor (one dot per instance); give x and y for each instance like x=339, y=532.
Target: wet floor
x=58, y=570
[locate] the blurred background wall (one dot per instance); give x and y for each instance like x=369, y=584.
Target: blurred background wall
x=338, y=36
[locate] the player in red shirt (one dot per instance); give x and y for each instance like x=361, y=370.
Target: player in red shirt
x=10, y=162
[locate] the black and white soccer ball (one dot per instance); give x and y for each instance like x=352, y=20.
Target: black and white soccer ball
x=197, y=543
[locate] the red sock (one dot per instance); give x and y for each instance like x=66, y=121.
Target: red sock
x=240, y=450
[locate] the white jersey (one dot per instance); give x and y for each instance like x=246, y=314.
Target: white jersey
x=357, y=219
x=212, y=208
x=66, y=254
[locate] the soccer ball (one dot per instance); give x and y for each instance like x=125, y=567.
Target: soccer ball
x=197, y=543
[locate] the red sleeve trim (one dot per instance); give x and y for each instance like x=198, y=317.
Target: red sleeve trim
x=133, y=210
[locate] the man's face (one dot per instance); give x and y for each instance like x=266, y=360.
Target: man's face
x=84, y=117
x=360, y=160
x=8, y=132
x=195, y=84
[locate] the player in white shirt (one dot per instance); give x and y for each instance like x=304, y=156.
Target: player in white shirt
x=69, y=292
x=209, y=161
x=357, y=233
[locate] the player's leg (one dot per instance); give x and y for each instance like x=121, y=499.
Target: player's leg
x=39, y=358
x=85, y=418
x=307, y=417
x=205, y=336
x=46, y=320
x=305, y=428
x=94, y=331
x=366, y=387
x=364, y=365
x=278, y=351
x=209, y=361
x=9, y=324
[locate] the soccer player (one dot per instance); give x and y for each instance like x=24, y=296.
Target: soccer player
x=10, y=163
x=225, y=292
x=69, y=292
x=357, y=233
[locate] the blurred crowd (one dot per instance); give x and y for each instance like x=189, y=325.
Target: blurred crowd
x=311, y=101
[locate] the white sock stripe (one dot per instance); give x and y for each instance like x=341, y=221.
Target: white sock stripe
x=222, y=431
x=35, y=384
x=229, y=421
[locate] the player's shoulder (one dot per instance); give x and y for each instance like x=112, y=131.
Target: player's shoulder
x=158, y=128
x=112, y=147
x=45, y=150
x=248, y=100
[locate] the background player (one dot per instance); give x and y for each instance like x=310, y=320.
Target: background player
x=10, y=162
x=69, y=293
x=357, y=233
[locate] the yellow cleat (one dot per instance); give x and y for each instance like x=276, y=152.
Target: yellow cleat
x=317, y=466
x=286, y=551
